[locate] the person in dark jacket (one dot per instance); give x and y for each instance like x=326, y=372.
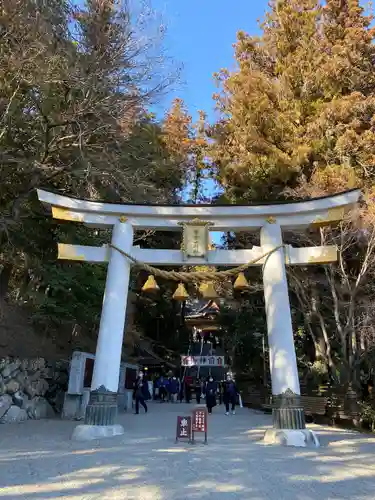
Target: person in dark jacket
x=162, y=389
x=230, y=395
x=140, y=393
x=173, y=389
x=211, y=390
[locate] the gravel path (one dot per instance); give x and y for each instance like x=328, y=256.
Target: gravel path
x=38, y=461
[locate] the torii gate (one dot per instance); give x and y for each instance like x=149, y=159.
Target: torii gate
x=271, y=220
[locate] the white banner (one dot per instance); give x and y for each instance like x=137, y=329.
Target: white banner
x=202, y=360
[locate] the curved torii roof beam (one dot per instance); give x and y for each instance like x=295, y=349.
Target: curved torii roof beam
x=318, y=211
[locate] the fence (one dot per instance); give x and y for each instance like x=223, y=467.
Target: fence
x=321, y=405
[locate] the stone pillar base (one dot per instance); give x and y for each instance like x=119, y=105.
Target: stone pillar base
x=291, y=437
x=102, y=407
x=287, y=411
x=90, y=432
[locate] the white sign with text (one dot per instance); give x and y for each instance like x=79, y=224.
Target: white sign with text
x=202, y=360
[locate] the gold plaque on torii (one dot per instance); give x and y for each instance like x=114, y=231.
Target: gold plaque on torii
x=195, y=238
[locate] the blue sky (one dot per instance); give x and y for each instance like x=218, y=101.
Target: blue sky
x=200, y=34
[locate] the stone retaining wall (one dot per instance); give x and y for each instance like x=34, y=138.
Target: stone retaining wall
x=31, y=388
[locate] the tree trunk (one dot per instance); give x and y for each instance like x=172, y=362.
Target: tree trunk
x=5, y=276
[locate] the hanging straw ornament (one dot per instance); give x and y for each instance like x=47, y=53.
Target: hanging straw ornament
x=241, y=284
x=180, y=294
x=150, y=286
x=208, y=291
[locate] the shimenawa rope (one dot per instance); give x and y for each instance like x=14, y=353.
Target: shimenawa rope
x=193, y=276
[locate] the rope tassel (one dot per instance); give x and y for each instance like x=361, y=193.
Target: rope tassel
x=150, y=286
x=180, y=294
x=208, y=291
x=241, y=283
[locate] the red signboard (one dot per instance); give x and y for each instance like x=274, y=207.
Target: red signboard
x=183, y=430
x=200, y=423
x=199, y=420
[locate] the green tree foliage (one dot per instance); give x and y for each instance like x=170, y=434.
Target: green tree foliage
x=161, y=320
x=73, y=103
x=75, y=84
x=297, y=120
x=243, y=328
x=299, y=107
x=187, y=141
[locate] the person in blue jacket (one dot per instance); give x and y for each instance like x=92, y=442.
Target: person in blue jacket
x=141, y=393
x=162, y=389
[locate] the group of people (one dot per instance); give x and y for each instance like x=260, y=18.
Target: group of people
x=172, y=389
x=226, y=391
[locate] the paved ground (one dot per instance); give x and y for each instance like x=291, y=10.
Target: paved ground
x=38, y=461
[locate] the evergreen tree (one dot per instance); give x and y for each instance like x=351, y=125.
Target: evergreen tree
x=75, y=84
x=186, y=143
x=299, y=107
x=297, y=120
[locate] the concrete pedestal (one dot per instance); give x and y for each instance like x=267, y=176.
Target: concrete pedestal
x=90, y=432
x=304, y=438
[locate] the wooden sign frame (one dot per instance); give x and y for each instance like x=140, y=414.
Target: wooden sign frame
x=188, y=427
x=201, y=428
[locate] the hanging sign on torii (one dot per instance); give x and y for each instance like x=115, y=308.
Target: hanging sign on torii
x=202, y=361
x=195, y=238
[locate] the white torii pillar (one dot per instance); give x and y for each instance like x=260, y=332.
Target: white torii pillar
x=288, y=416
x=283, y=362
x=101, y=410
